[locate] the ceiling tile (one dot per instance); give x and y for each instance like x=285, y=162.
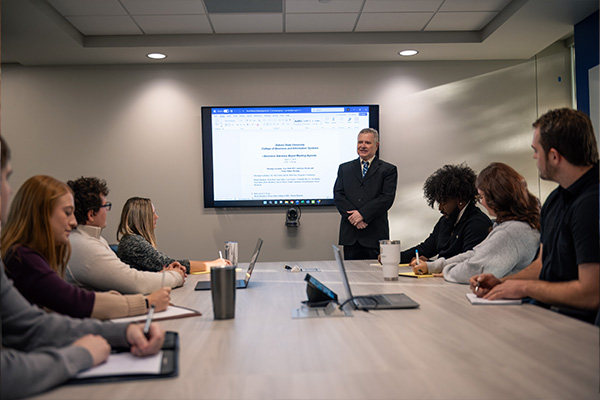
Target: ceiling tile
x=32, y=37
x=163, y=7
x=173, y=24
x=247, y=23
x=402, y=6
x=88, y=7
x=101, y=25
x=470, y=5
x=315, y=6
x=320, y=22
x=387, y=22
x=460, y=21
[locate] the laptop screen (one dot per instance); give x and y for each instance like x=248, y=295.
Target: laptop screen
x=259, y=243
x=340, y=262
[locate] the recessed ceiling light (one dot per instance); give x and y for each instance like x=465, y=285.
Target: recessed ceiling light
x=156, y=56
x=408, y=53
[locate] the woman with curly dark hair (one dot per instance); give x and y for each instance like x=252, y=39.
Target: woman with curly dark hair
x=513, y=242
x=462, y=225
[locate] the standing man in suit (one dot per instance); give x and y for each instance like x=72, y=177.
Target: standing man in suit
x=363, y=193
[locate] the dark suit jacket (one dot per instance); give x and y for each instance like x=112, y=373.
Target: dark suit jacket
x=372, y=196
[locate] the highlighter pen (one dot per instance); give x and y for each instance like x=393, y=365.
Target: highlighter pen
x=477, y=284
x=149, y=321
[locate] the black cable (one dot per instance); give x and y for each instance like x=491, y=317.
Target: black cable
x=360, y=297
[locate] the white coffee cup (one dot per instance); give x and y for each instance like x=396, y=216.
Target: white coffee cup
x=389, y=252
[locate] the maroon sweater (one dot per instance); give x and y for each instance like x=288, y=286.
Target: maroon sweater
x=38, y=283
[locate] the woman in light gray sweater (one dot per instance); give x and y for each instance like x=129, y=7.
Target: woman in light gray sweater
x=515, y=238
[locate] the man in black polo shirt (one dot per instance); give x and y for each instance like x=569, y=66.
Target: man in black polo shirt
x=566, y=275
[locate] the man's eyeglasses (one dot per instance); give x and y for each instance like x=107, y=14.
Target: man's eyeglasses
x=108, y=206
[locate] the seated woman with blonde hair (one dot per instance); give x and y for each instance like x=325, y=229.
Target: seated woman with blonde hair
x=137, y=241
x=36, y=249
x=515, y=238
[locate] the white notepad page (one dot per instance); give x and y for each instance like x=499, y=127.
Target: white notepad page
x=125, y=364
x=480, y=301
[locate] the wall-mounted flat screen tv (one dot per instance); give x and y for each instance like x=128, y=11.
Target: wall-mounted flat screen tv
x=278, y=156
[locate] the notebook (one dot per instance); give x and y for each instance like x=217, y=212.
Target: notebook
x=240, y=283
x=172, y=312
x=413, y=275
x=372, y=301
x=500, y=302
x=122, y=365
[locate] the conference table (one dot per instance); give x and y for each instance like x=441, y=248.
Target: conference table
x=445, y=349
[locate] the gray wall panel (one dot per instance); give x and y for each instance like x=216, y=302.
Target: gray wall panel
x=139, y=128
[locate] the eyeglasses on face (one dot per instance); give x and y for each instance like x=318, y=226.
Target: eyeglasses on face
x=108, y=206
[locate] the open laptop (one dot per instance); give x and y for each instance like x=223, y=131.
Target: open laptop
x=372, y=301
x=240, y=283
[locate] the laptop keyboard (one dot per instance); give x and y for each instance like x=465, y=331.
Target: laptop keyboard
x=370, y=301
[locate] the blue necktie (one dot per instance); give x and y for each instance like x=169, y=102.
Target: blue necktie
x=365, y=168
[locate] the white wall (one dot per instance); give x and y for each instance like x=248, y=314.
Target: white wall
x=139, y=128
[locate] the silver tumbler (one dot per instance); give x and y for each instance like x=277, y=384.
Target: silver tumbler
x=223, y=286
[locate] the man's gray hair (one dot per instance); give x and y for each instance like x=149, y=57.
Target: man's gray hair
x=373, y=131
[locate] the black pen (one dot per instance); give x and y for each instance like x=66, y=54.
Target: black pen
x=148, y=321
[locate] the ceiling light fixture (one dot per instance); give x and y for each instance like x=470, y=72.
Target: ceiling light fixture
x=156, y=56
x=408, y=53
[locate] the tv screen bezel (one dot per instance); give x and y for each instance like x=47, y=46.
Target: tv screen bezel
x=207, y=159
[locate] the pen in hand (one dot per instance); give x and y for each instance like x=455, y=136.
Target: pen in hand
x=149, y=321
x=477, y=284
x=418, y=262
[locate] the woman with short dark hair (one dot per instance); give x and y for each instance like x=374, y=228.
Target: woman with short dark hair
x=462, y=225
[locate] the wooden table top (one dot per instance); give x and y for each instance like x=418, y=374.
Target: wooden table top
x=445, y=349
